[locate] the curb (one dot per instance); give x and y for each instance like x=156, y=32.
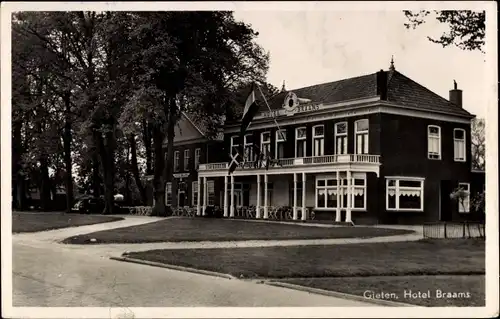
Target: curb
x=174, y=267
x=338, y=294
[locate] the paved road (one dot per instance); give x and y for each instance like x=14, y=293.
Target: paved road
x=52, y=275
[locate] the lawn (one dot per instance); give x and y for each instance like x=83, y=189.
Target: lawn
x=424, y=257
x=466, y=291
x=34, y=222
x=204, y=229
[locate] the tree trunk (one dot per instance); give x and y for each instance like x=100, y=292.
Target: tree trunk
x=96, y=180
x=67, y=155
x=147, y=128
x=163, y=168
x=16, y=167
x=135, y=169
x=159, y=208
x=126, y=173
x=45, y=190
x=105, y=148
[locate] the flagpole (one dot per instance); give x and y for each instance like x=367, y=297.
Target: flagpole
x=270, y=111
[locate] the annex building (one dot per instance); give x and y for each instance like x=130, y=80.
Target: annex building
x=378, y=148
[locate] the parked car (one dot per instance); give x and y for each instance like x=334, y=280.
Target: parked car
x=93, y=205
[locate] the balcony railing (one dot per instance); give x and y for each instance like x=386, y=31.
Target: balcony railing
x=291, y=162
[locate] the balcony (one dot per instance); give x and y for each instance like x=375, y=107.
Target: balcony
x=299, y=164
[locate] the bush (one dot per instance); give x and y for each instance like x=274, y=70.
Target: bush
x=478, y=202
x=166, y=213
x=214, y=212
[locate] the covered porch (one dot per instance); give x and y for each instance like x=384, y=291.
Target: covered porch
x=292, y=196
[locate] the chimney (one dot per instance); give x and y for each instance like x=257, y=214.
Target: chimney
x=456, y=95
x=382, y=84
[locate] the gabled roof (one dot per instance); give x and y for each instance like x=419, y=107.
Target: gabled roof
x=400, y=90
x=202, y=126
x=406, y=92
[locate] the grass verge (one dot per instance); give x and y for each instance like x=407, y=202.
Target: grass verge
x=29, y=223
x=201, y=229
x=424, y=257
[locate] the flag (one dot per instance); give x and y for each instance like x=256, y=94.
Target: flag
x=249, y=112
x=235, y=159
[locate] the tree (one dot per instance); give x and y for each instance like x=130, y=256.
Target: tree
x=466, y=28
x=187, y=62
x=460, y=195
x=478, y=144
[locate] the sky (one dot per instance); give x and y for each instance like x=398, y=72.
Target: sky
x=312, y=47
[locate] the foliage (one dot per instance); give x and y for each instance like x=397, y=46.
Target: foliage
x=92, y=90
x=460, y=195
x=478, y=144
x=478, y=202
x=466, y=28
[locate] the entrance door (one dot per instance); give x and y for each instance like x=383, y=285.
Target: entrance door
x=181, y=199
x=445, y=213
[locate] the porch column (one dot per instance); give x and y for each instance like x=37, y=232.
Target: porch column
x=295, y=215
x=198, y=198
x=231, y=213
x=304, y=215
x=266, y=212
x=349, y=194
x=226, y=182
x=204, y=196
x=338, y=217
x=257, y=213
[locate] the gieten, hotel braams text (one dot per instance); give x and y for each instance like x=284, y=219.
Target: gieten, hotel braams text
x=412, y=294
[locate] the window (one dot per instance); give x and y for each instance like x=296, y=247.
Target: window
x=300, y=142
x=197, y=154
x=459, y=143
x=269, y=194
x=186, y=159
x=210, y=193
x=434, y=142
x=265, y=143
x=341, y=138
x=234, y=145
x=299, y=194
x=326, y=192
x=194, y=192
x=280, y=143
x=168, y=194
x=238, y=194
x=176, y=161
x=361, y=136
x=464, y=207
x=319, y=140
x=405, y=194
x=248, y=144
